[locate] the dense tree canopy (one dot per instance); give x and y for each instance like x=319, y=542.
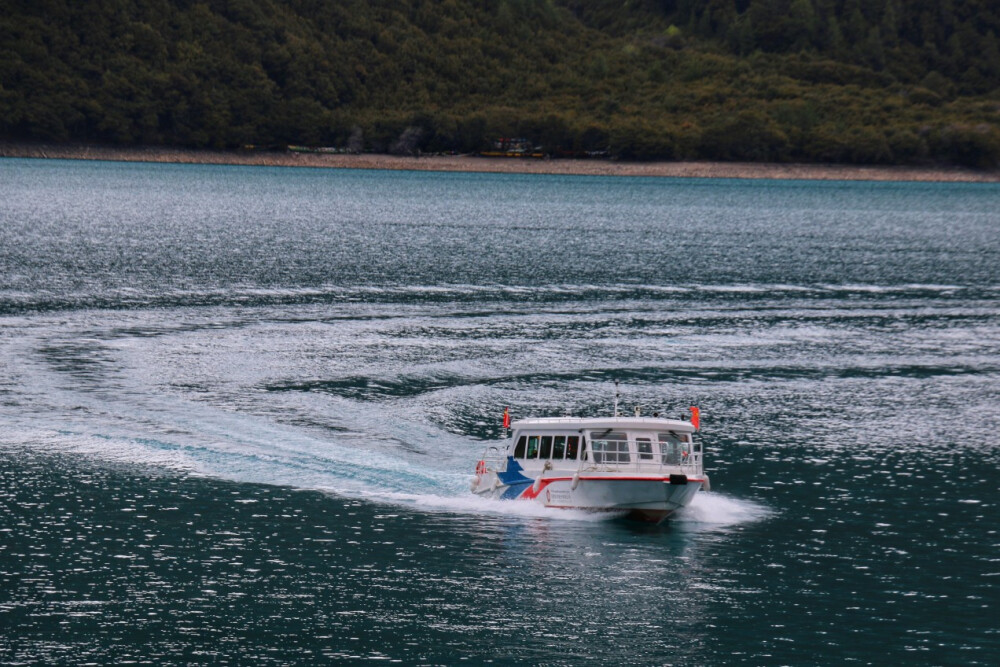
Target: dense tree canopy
x=873, y=81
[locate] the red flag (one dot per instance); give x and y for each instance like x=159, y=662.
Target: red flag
x=506, y=417
x=695, y=417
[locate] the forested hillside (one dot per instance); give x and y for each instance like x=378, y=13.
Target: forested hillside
x=862, y=81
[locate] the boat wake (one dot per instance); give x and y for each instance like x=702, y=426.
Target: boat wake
x=353, y=449
x=254, y=450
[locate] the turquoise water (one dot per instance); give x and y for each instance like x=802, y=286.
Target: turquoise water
x=240, y=407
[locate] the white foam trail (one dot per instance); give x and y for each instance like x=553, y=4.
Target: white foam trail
x=881, y=289
x=103, y=448
x=713, y=509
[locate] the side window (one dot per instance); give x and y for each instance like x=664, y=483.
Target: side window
x=532, y=452
x=621, y=446
x=546, y=450
x=671, y=448
x=690, y=445
x=597, y=451
x=519, y=448
x=558, y=446
x=572, y=447
x=611, y=447
x=644, y=447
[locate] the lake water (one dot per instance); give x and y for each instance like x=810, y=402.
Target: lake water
x=240, y=407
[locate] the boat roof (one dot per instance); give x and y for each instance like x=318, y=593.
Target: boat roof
x=623, y=423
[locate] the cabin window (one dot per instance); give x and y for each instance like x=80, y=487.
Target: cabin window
x=644, y=447
x=673, y=447
x=546, y=451
x=610, y=447
x=555, y=447
x=558, y=446
x=622, y=447
x=572, y=447
x=532, y=452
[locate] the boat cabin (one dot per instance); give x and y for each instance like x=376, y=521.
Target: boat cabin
x=615, y=443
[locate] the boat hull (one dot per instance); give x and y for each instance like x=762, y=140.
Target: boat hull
x=643, y=467
x=644, y=498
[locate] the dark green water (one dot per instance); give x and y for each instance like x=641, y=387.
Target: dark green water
x=239, y=408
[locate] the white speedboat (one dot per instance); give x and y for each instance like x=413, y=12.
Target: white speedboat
x=644, y=467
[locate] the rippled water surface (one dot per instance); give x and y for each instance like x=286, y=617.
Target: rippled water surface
x=239, y=409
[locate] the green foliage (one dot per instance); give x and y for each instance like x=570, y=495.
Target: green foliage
x=747, y=135
x=973, y=146
x=879, y=82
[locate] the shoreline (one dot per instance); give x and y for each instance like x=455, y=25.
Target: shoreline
x=477, y=164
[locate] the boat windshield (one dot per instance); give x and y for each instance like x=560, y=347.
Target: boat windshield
x=550, y=447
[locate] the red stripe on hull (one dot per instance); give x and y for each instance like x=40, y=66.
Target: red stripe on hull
x=549, y=480
x=636, y=479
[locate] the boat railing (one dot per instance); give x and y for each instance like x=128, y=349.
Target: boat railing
x=495, y=458
x=640, y=457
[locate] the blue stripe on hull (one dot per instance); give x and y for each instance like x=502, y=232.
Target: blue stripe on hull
x=515, y=491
